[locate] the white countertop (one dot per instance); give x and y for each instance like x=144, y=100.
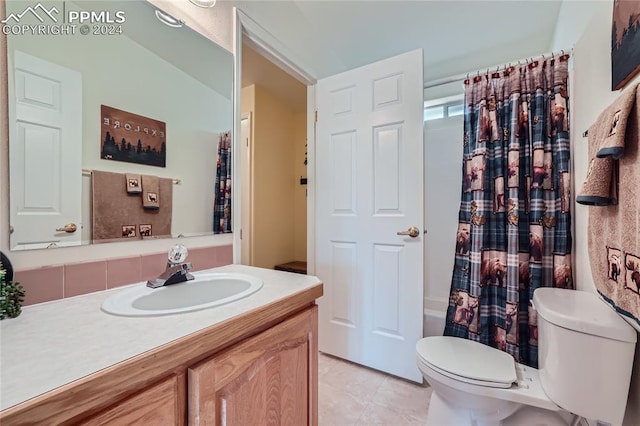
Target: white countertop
x=55, y=343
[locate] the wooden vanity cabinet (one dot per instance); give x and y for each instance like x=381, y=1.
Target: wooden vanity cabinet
x=268, y=379
x=257, y=369
x=160, y=404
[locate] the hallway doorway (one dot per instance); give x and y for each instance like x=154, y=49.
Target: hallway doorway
x=273, y=162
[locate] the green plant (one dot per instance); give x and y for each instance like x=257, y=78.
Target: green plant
x=11, y=296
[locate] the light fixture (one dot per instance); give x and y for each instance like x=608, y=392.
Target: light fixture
x=169, y=20
x=204, y=3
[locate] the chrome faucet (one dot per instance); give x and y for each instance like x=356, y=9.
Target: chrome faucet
x=177, y=271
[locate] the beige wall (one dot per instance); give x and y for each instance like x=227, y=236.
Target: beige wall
x=272, y=185
x=248, y=107
x=586, y=26
x=276, y=132
x=299, y=191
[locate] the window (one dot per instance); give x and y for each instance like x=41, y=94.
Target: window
x=433, y=113
x=444, y=107
x=455, y=109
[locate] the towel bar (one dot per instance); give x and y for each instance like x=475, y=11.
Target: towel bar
x=87, y=172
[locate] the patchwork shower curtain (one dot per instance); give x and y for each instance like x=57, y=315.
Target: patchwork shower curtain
x=514, y=231
x=222, y=197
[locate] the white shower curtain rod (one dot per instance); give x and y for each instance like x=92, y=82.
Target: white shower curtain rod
x=462, y=77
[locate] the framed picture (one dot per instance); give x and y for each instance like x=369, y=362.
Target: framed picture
x=128, y=231
x=625, y=42
x=132, y=138
x=145, y=230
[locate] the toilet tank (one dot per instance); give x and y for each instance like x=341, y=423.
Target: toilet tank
x=585, y=353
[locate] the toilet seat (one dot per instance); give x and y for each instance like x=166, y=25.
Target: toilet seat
x=468, y=361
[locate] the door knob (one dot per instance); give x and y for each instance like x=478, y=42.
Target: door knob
x=412, y=232
x=69, y=227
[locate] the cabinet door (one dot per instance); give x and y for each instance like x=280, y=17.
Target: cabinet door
x=268, y=379
x=161, y=404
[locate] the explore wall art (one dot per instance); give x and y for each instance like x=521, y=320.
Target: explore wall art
x=625, y=42
x=132, y=138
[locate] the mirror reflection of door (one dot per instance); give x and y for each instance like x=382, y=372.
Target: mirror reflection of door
x=45, y=145
x=277, y=209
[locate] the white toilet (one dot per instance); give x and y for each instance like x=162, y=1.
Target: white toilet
x=585, y=357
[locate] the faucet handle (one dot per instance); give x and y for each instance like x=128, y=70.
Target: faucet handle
x=177, y=254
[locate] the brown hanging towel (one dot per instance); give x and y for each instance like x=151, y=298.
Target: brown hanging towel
x=150, y=192
x=133, y=183
x=614, y=230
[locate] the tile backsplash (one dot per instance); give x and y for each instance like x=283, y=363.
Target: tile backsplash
x=73, y=279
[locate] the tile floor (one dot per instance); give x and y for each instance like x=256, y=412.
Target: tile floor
x=352, y=395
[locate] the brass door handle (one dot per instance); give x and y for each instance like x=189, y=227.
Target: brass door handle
x=69, y=227
x=413, y=232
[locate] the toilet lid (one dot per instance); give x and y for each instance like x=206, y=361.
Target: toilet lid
x=463, y=359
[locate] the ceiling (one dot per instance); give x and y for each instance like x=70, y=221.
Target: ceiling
x=328, y=37
x=203, y=60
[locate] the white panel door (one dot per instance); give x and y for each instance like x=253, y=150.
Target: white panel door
x=369, y=186
x=45, y=148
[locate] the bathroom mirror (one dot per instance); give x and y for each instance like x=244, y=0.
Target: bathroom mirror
x=125, y=58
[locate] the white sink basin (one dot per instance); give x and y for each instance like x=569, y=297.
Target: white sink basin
x=205, y=291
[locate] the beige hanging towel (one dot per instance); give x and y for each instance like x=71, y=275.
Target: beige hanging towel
x=614, y=230
x=600, y=188
x=607, y=139
x=119, y=216
x=614, y=122
x=150, y=192
x=133, y=183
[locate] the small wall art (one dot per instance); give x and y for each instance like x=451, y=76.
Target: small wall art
x=132, y=138
x=625, y=42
